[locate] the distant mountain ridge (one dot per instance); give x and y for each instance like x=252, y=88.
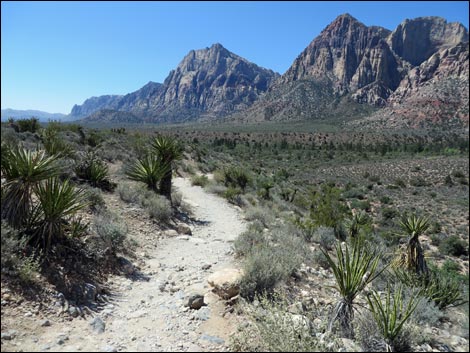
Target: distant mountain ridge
x=349, y=70
x=26, y=114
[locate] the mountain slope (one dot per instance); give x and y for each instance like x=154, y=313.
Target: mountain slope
x=351, y=68
x=207, y=83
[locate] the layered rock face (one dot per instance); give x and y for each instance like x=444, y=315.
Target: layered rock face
x=351, y=63
x=349, y=71
x=350, y=56
x=210, y=82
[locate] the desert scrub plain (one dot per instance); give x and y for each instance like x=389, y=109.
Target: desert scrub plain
x=356, y=241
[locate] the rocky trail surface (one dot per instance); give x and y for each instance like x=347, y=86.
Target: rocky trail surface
x=150, y=312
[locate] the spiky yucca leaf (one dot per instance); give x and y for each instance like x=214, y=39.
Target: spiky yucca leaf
x=167, y=148
x=23, y=169
x=148, y=170
x=413, y=257
x=353, y=269
x=391, y=315
x=57, y=200
x=414, y=225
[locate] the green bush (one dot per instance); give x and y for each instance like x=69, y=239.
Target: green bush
x=32, y=125
x=95, y=171
x=128, y=193
x=158, y=207
x=199, y=180
x=270, y=263
x=249, y=241
x=236, y=177
x=233, y=195
x=111, y=230
x=454, y=246
x=271, y=328
x=392, y=314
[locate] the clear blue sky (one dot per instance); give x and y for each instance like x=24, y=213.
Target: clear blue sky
x=56, y=54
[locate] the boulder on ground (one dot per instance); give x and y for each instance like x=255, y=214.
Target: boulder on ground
x=226, y=282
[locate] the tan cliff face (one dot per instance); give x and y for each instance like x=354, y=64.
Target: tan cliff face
x=207, y=82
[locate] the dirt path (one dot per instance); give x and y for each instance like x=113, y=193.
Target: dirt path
x=150, y=314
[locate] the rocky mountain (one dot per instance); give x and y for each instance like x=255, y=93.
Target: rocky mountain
x=350, y=67
x=207, y=83
x=417, y=72
x=93, y=104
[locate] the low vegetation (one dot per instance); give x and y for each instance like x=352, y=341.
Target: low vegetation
x=342, y=226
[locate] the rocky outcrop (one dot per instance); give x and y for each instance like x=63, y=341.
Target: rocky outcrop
x=210, y=82
x=417, y=40
x=349, y=71
x=94, y=104
x=350, y=67
x=348, y=54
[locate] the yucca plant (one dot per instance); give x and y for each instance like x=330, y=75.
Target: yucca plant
x=392, y=314
x=95, y=171
x=149, y=170
x=354, y=224
x=353, y=269
x=168, y=150
x=57, y=201
x=442, y=289
x=413, y=258
x=23, y=170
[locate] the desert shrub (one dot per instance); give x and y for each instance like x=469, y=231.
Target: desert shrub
x=454, y=246
x=271, y=263
x=448, y=181
x=214, y=188
x=389, y=213
x=319, y=258
x=157, y=206
x=32, y=125
x=199, y=180
x=249, y=241
x=236, y=177
x=326, y=209
x=361, y=205
x=458, y=174
x=354, y=194
x=374, y=178
x=29, y=266
x=128, y=193
x=400, y=182
x=11, y=247
x=95, y=199
x=233, y=195
x=418, y=181
x=325, y=236
x=271, y=328
x=111, y=230
x=95, y=171
x=260, y=214
x=385, y=200
x=426, y=312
